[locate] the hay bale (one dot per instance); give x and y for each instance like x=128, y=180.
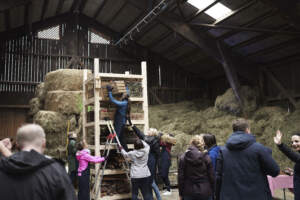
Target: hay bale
x=52, y=122
x=228, y=103
x=65, y=102
x=40, y=92
x=65, y=79
x=35, y=106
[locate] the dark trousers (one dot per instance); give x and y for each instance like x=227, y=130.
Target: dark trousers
x=84, y=185
x=73, y=177
x=119, y=128
x=165, y=164
x=194, y=198
x=144, y=184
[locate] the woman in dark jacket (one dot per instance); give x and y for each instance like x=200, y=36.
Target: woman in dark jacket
x=195, y=172
x=293, y=156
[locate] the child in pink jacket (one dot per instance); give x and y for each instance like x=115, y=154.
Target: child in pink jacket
x=84, y=158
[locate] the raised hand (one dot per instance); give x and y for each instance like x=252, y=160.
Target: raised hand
x=277, y=138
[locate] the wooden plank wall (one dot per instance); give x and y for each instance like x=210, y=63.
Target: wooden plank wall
x=28, y=59
x=10, y=120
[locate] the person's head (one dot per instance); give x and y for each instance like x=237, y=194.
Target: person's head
x=138, y=144
x=152, y=132
x=198, y=142
x=31, y=136
x=82, y=145
x=296, y=141
x=72, y=135
x=241, y=124
x=209, y=140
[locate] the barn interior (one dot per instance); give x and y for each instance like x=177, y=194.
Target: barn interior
x=208, y=62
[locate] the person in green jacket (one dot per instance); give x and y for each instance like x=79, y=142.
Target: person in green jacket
x=72, y=161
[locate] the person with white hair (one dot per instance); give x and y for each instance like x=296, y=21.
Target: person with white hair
x=30, y=175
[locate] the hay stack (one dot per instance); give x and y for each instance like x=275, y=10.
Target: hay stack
x=228, y=102
x=57, y=102
x=185, y=119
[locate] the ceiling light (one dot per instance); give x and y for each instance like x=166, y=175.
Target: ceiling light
x=218, y=11
x=201, y=4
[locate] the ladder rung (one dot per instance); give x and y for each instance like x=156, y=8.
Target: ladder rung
x=116, y=196
x=110, y=171
x=113, y=146
x=103, y=122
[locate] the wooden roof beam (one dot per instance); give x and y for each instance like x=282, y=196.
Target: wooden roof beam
x=59, y=7
x=22, y=30
x=287, y=10
x=44, y=9
x=99, y=9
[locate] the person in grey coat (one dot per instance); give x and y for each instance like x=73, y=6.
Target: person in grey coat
x=243, y=166
x=139, y=172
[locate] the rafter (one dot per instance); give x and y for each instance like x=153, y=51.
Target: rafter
x=248, y=24
x=82, y=5
x=7, y=19
x=100, y=8
x=22, y=30
x=59, y=7
x=44, y=9
x=274, y=47
x=287, y=10
x=117, y=13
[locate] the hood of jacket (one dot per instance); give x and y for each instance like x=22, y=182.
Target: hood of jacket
x=24, y=162
x=81, y=153
x=193, y=156
x=240, y=140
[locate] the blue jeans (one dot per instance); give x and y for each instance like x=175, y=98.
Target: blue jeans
x=144, y=184
x=156, y=190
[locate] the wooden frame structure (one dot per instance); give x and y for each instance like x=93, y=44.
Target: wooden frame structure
x=96, y=101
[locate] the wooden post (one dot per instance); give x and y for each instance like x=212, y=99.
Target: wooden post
x=97, y=87
x=230, y=74
x=145, y=96
x=84, y=88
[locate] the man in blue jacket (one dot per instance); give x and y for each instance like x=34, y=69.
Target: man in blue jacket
x=243, y=166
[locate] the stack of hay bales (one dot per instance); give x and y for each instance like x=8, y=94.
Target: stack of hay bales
x=189, y=118
x=57, y=103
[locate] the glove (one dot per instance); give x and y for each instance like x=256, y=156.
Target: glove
x=129, y=121
x=105, y=158
x=109, y=88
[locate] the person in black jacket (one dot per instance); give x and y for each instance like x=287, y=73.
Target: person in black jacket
x=29, y=175
x=243, y=166
x=195, y=172
x=153, y=140
x=293, y=156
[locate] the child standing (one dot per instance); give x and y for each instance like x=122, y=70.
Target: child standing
x=83, y=156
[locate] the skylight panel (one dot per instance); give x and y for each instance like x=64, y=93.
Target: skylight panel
x=218, y=11
x=201, y=4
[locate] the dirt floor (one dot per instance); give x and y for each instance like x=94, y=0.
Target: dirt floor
x=278, y=195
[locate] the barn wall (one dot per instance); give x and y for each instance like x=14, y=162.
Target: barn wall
x=26, y=61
